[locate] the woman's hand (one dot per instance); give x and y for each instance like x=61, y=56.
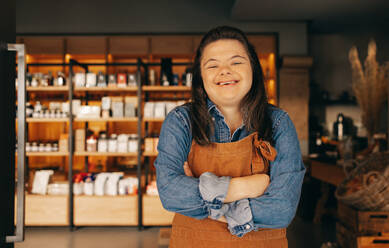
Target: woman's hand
x=187, y=170
x=241, y=187
x=247, y=187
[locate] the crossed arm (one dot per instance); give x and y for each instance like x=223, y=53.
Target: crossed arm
x=240, y=187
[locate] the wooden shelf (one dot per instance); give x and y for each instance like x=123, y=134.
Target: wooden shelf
x=46, y=210
x=59, y=120
x=110, y=119
x=148, y=119
x=107, y=154
x=106, y=210
x=106, y=89
x=153, y=212
x=49, y=88
x=46, y=154
x=166, y=88
x=150, y=154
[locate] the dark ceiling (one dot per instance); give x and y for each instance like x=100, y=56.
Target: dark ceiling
x=322, y=16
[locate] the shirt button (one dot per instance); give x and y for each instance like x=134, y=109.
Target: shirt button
x=247, y=227
x=213, y=118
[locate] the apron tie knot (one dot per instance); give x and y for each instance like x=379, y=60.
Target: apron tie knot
x=265, y=149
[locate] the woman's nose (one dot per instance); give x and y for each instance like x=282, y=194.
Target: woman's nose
x=225, y=70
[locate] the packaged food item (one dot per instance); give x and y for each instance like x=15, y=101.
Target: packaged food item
x=79, y=79
x=117, y=109
x=131, y=80
x=152, y=77
x=133, y=143
x=129, y=109
x=91, y=79
x=41, y=180
x=89, y=184
x=170, y=106
x=111, y=80
x=58, y=188
x=102, y=143
x=87, y=111
x=128, y=186
x=122, y=143
x=112, y=143
x=63, y=142
x=80, y=140
x=122, y=80
x=159, y=110
x=61, y=79
x=149, y=110
x=91, y=143
x=149, y=144
x=111, y=186
x=101, y=81
x=105, y=103
x=100, y=181
x=152, y=189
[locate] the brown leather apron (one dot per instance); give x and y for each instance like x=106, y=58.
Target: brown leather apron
x=235, y=159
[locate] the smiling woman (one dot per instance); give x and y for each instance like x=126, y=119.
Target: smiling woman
x=229, y=163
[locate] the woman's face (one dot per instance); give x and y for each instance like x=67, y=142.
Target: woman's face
x=226, y=72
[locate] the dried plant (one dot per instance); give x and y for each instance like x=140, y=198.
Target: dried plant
x=370, y=86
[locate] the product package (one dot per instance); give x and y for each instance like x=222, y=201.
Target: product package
x=159, y=110
x=100, y=181
x=149, y=110
x=41, y=180
x=122, y=143
x=111, y=186
x=91, y=79
x=128, y=186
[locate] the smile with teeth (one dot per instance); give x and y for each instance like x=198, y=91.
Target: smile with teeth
x=227, y=83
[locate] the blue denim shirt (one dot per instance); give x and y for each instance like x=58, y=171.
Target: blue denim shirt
x=179, y=193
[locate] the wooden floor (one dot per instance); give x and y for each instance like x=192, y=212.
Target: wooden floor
x=301, y=234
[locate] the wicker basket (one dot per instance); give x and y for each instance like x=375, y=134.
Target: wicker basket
x=373, y=196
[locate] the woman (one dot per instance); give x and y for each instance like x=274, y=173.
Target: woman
x=216, y=152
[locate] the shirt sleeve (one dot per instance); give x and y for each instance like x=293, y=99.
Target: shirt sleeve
x=178, y=192
x=276, y=208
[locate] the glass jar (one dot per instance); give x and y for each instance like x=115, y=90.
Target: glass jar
x=91, y=144
x=102, y=145
x=112, y=143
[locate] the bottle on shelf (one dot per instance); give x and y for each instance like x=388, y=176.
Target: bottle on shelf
x=101, y=80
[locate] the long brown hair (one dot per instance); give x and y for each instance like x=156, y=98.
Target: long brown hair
x=254, y=105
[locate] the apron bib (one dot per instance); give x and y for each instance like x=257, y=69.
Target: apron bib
x=245, y=157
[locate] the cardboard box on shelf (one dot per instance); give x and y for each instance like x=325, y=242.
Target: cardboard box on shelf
x=63, y=142
x=80, y=140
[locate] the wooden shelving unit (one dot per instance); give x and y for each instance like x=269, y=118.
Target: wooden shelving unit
x=44, y=120
x=153, y=212
x=166, y=88
x=106, y=53
x=110, y=119
x=150, y=154
x=106, y=210
x=47, y=154
x=107, y=154
x=148, y=119
x=64, y=89
x=46, y=210
x=105, y=89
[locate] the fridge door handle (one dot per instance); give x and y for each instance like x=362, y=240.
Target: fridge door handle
x=21, y=115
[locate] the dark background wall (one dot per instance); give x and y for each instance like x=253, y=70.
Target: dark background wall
x=148, y=16
x=332, y=69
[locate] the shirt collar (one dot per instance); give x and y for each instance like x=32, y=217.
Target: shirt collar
x=212, y=108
